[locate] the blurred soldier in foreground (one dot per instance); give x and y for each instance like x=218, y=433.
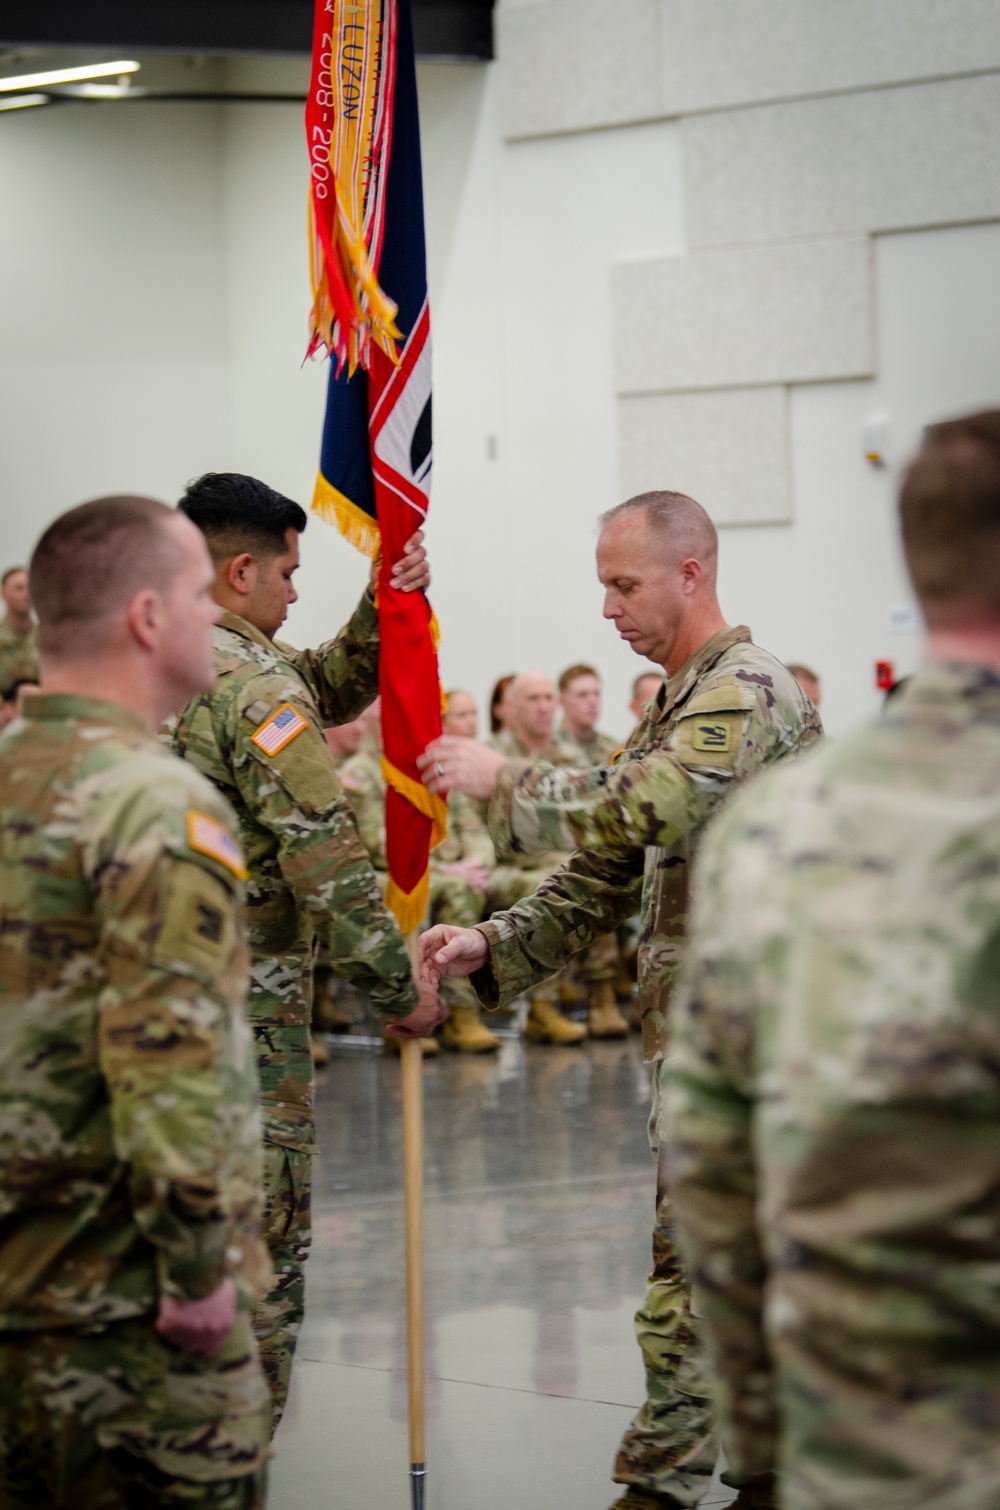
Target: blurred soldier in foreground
x=18, y=635
x=833, y=1094
x=726, y=709
x=580, y=701
x=808, y=681
x=258, y=736
x=459, y=875
x=130, y=1146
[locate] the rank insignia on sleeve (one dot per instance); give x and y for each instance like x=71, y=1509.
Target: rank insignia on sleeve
x=210, y=837
x=279, y=730
x=710, y=736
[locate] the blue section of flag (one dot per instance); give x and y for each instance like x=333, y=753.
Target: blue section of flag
x=345, y=459
x=281, y=720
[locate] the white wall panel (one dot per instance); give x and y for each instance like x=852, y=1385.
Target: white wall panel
x=719, y=53
x=573, y=64
x=888, y=160
x=794, y=313
x=727, y=448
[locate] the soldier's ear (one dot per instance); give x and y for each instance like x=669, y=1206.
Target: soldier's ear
x=240, y=573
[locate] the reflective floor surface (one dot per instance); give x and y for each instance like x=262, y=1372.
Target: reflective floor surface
x=538, y=1207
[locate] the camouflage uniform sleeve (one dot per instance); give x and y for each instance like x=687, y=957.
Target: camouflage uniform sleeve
x=296, y=794
x=174, y=1046
x=342, y=674
x=464, y=820
x=708, y=1107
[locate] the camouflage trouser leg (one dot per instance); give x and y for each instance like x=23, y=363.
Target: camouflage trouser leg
x=670, y=1446
x=287, y=1230
x=454, y=901
x=599, y=961
x=114, y=1419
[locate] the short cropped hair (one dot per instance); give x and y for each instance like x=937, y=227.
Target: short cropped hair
x=644, y=676
x=572, y=672
x=456, y=692
x=797, y=669
x=91, y=562
x=11, y=571
x=236, y=513
x=679, y=520
x=950, y=513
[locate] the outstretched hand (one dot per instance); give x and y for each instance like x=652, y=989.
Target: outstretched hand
x=411, y=572
x=451, y=951
x=199, y=1326
x=452, y=764
x=427, y=1015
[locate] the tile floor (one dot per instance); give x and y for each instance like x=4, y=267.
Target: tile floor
x=539, y=1191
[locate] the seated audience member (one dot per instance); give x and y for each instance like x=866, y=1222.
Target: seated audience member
x=498, y=704
x=344, y=740
x=580, y=701
x=808, y=681
x=459, y=873
x=832, y=1091
x=461, y=716
x=644, y=689
x=18, y=634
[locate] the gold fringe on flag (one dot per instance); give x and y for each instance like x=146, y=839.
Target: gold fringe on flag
x=429, y=803
x=408, y=907
x=357, y=527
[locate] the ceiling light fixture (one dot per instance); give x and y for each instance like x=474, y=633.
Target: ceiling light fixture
x=22, y=101
x=67, y=75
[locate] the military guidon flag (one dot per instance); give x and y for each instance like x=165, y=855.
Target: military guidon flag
x=370, y=313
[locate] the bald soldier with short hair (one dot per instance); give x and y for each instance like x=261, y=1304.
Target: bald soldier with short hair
x=726, y=709
x=130, y=1149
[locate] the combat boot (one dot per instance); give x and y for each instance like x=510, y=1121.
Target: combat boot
x=762, y=1494
x=320, y=1052
x=428, y=1046
x=466, y=1034
x=546, y=1024
x=603, y=1017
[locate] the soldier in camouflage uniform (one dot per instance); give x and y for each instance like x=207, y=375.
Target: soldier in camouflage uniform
x=18, y=634
x=130, y=1132
x=832, y=1097
x=459, y=875
x=726, y=709
x=258, y=737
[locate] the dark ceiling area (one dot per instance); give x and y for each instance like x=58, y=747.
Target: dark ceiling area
x=443, y=28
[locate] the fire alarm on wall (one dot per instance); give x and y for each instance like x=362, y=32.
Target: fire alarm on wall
x=885, y=676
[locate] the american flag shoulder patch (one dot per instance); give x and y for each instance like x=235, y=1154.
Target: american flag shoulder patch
x=279, y=730
x=210, y=837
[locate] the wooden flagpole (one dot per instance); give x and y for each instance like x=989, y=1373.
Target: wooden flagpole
x=413, y=1184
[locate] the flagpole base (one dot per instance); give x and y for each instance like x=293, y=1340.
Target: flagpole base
x=418, y=1475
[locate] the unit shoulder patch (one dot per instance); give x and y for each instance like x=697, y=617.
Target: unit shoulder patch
x=210, y=837
x=710, y=734
x=284, y=725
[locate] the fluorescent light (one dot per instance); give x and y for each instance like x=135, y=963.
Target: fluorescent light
x=22, y=101
x=67, y=75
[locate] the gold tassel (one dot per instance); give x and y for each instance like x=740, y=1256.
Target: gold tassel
x=408, y=907
x=429, y=803
x=358, y=528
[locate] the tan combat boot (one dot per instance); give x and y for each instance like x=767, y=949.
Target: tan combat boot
x=546, y=1024
x=465, y=1033
x=428, y=1046
x=320, y=1052
x=603, y=1017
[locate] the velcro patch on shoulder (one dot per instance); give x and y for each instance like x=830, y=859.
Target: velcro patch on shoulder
x=210, y=837
x=284, y=725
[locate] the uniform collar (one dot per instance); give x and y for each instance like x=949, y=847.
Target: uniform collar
x=244, y=629
x=949, y=687
x=678, y=686
x=49, y=707
x=16, y=634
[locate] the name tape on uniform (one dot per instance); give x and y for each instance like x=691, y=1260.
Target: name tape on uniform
x=210, y=837
x=279, y=730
